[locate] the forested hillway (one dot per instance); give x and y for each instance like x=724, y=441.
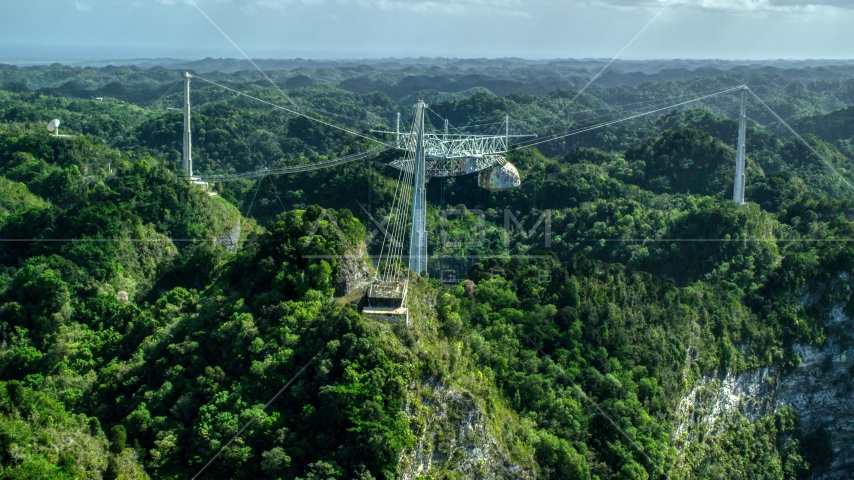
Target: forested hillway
x=144, y=322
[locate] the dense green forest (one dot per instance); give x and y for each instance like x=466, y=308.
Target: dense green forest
x=143, y=321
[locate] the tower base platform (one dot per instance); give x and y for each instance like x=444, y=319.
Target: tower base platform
x=386, y=301
x=388, y=314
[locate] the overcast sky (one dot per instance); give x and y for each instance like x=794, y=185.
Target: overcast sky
x=65, y=30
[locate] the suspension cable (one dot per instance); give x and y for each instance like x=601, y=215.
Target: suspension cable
x=588, y=110
x=612, y=122
x=801, y=139
x=293, y=169
x=248, y=148
x=585, y=129
x=292, y=111
x=623, y=110
x=393, y=268
x=278, y=171
x=392, y=218
x=443, y=118
x=396, y=215
x=404, y=205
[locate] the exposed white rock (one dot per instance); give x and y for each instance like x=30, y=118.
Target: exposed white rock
x=354, y=271
x=453, y=437
x=820, y=390
x=808, y=299
x=837, y=314
x=231, y=240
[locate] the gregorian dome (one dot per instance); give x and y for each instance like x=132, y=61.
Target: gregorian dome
x=500, y=177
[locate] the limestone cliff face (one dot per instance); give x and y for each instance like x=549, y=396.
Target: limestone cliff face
x=231, y=239
x=820, y=390
x=453, y=437
x=354, y=271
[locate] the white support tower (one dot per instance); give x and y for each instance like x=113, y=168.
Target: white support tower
x=507, y=131
x=187, y=162
x=418, y=238
x=397, y=138
x=738, y=184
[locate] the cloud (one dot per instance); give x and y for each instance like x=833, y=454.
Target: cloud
x=847, y=4
x=736, y=5
x=525, y=8
x=451, y=7
x=82, y=7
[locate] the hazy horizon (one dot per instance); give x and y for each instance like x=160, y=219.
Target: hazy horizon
x=738, y=30
x=96, y=61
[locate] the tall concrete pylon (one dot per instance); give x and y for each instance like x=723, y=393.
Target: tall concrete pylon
x=418, y=236
x=738, y=184
x=187, y=162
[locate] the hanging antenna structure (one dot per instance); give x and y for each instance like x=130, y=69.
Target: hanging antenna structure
x=426, y=155
x=450, y=155
x=443, y=154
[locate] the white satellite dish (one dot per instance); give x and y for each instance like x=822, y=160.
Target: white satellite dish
x=53, y=126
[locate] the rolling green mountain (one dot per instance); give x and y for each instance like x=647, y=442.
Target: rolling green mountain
x=144, y=321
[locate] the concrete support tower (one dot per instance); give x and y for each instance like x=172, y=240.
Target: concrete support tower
x=507, y=131
x=418, y=237
x=187, y=162
x=738, y=186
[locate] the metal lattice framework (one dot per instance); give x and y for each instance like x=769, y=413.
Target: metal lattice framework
x=442, y=167
x=460, y=155
x=427, y=155
x=451, y=155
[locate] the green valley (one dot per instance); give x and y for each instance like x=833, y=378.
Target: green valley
x=616, y=316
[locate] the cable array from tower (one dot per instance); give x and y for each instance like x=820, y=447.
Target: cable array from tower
x=527, y=120
x=577, y=131
x=405, y=175
x=308, y=167
x=393, y=267
x=804, y=142
x=313, y=119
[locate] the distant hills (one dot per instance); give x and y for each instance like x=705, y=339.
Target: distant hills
x=231, y=65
